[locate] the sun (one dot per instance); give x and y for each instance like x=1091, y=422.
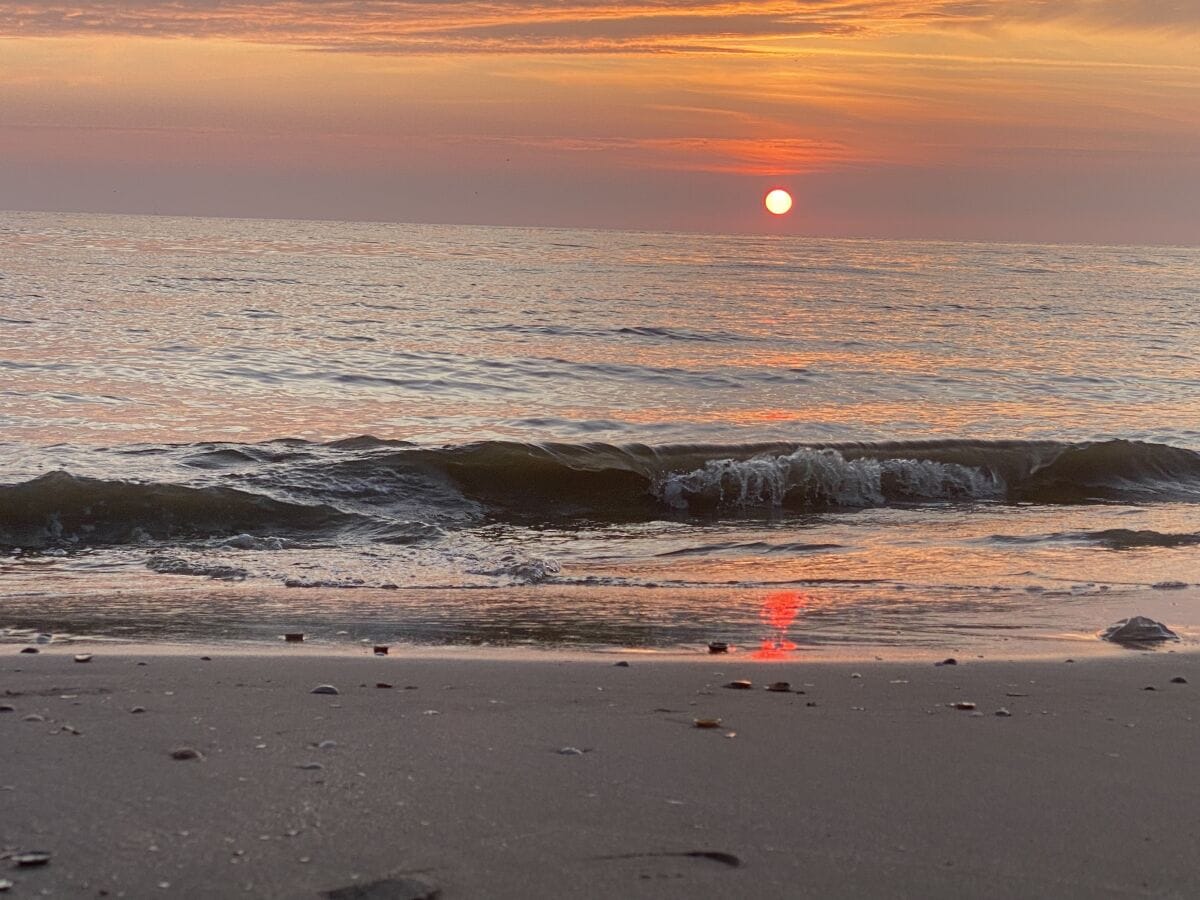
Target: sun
x=778, y=201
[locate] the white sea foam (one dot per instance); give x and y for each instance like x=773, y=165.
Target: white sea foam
x=816, y=478
x=521, y=569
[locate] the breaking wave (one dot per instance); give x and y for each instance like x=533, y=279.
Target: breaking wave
x=373, y=490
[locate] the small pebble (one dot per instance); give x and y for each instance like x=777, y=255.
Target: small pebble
x=33, y=717
x=30, y=650
x=138, y=709
x=31, y=859
x=780, y=687
x=83, y=657
x=1149, y=687
x=326, y=745
x=1003, y=712
x=963, y=704
x=570, y=751
x=381, y=650
x=1179, y=679
x=382, y=684
x=7, y=707
x=324, y=689
x=294, y=637
x=707, y=723
x=742, y=684
x=185, y=753
x=950, y=661
x=856, y=675
x=310, y=766
x=718, y=647
x=623, y=664
x=206, y=659
x=5, y=884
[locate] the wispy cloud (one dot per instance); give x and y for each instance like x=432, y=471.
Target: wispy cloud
x=741, y=156
x=508, y=26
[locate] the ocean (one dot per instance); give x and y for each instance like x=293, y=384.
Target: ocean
x=224, y=430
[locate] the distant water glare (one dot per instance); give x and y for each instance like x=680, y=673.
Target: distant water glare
x=220, y=429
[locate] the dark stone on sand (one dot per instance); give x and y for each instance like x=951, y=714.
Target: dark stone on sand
x=324, y=689
x=381, y=650
x=742, y=684
x=185, y=753
x=30, y=650
x=1138, y=630
x=31, y=859
x=7, y=707
x=138, y=709
x=409, y=887
x=294, y=637
x=1149, y=687
x=950, y=661
x=1179, y=679
x=621, y=665
x=206, y=659
x=382, y=684
x=718, y=647
x=717, y=856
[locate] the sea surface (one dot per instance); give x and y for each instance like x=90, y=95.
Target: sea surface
x=223, y=430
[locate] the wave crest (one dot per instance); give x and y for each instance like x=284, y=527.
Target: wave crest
x=813, y=479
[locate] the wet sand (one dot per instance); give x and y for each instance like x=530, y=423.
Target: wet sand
x=870, y=783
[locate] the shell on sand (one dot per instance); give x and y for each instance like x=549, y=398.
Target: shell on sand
x=1138, y=630
x=324, y=689
x=742, y=684
x=707, y=723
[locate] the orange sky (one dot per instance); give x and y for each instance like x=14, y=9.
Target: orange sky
x=973, y=119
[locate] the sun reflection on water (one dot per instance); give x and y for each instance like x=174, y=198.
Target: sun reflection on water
x=779, y=611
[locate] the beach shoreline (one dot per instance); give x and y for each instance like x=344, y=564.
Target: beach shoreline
x=518, y=774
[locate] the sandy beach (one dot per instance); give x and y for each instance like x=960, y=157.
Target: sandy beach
x=545, y=776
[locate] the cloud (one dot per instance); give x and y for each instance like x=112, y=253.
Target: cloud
x=738, y=156
x=438, y=25
x=649, y=26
